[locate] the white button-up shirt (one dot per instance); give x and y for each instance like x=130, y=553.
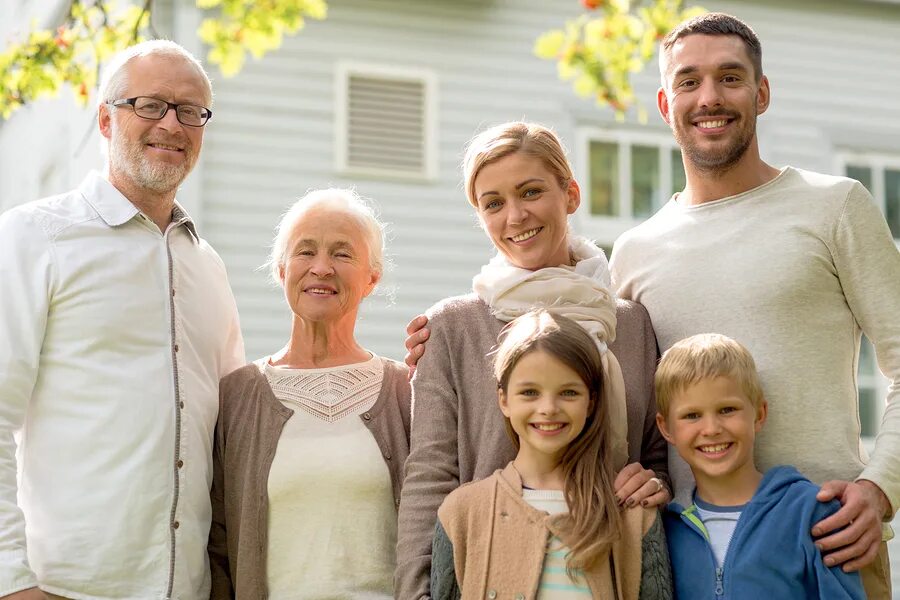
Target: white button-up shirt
x=113, y=337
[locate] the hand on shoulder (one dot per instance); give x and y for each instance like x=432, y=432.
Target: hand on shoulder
x=863, y=508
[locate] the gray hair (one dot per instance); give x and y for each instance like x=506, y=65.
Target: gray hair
x=341, y=200
x=115, y=76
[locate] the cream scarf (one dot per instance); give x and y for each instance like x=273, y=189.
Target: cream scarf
x=581, y=293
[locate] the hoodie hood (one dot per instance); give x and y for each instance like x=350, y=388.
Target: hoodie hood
x=770, y=489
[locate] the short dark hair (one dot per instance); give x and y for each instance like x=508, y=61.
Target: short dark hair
x=718, y=24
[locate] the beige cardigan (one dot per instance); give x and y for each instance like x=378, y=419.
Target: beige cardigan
x=499, y=542
x=251, y=419
x=458, y=433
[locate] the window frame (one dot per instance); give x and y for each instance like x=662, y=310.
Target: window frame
x=877, y=162
x=344, y=70
x=602, y=228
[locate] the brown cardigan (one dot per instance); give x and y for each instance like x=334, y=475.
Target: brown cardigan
x=499, y=542
x=458, y=432
x=251, y=419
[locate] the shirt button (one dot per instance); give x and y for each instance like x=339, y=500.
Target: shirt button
x=176, y=347
x=367, y=416
x=180, y=463
x=175, y=525
x=181, y=404
x=492, y=594
x=387, y=455
x=173, y=292
x=397, y=502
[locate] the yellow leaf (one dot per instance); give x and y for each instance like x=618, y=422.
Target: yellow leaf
x=549, y=44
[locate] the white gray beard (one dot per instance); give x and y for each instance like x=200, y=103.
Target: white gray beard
x=157, y=177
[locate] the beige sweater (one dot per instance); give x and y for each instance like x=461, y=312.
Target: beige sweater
x=458, y=433
x=794, y=270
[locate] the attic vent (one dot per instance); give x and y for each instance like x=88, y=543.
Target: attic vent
x=386, y=125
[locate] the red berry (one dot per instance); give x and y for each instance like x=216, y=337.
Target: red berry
x=590, y=4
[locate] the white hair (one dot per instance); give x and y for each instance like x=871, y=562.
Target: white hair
x=341, y=200
x=115, y=76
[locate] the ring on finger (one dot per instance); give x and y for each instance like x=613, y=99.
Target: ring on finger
x=659, y=484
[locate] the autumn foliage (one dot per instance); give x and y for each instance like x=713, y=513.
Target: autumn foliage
x=600, y=50
x=48, y=60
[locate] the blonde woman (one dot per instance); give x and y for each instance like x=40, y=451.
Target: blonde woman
x=521, y=186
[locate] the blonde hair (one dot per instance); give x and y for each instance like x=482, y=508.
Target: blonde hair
x=705, y=356
x=593, y=522
x=502, y=140
x=338, y=199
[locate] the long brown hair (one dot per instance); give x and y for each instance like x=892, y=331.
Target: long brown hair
x=593, y=522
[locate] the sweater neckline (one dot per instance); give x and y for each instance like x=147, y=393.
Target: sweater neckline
x=735, y=198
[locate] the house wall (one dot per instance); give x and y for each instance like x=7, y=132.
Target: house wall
x=831, y=64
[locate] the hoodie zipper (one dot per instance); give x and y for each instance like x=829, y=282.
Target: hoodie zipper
x=690, y=517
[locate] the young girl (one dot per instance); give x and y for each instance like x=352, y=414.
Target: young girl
x=548, y=526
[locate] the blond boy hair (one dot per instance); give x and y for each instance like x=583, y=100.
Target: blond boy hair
x=705, y=356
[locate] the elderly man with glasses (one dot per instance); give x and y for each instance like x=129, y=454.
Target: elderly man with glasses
x=117, y=322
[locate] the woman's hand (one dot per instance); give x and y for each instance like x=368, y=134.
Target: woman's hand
x=417, y=335
x=634, y=484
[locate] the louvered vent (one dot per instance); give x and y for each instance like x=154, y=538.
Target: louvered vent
x=386, y=125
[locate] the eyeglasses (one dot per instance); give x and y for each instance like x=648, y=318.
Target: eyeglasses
x=155, y=109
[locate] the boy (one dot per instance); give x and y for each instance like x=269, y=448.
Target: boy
x=743, y=534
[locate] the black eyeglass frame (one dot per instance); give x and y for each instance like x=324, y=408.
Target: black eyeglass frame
x=169, y=106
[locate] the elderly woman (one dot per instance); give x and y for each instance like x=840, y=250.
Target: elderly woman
x=519, y=182
x=311, y=440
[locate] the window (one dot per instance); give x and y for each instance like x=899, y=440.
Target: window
x=386, y=122
x=881, y=176
x=871, y=394
x=631, y=174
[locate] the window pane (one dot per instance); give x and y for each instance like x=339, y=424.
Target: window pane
x=644, y=180
x=892, y=200
x=678, y=178
x=867, y=366
x=604, y=179
x=862, y=175
x=867, y=412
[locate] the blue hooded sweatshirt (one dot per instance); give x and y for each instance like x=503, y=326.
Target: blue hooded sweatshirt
x=771, y=554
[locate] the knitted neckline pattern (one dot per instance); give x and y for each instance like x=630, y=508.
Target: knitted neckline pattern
x=328, y=394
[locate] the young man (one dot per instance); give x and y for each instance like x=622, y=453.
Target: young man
x=117, y=322
x=791, y=263
x=744, y=534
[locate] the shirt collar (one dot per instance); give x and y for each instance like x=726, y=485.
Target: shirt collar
x=115, y=209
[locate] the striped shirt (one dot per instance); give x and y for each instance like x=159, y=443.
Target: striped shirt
x=555, y=583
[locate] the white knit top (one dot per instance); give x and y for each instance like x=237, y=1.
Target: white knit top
x=332, y=522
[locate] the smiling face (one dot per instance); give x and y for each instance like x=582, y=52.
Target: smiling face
x=154, y=155
x=327, y=269
x=523, y=209
x=547, y=404
x=711, y=100
x=713, y=425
